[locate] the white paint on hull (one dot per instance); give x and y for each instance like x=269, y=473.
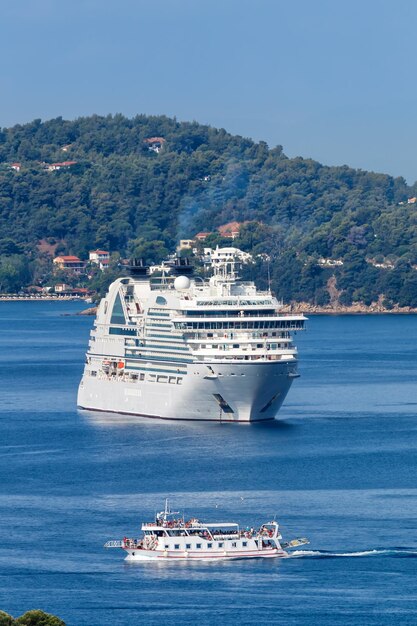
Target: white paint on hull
x=247, y=389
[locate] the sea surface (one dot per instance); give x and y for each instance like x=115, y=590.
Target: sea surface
x=339, y=466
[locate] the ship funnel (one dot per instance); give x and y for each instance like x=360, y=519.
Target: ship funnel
x=181, y=267
x=138, y=269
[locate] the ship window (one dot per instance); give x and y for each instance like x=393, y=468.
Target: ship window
x=209, y=334
x=93, y=373
x=221, y=544
x=209, y=545
x=141, y=376
x=236, y=345
x=177, y=546
x=117, y=315
x=244, y=544
x=234, y=544
x=179, y=381
x=166, y=546
x=172, y=379
x=198, y=546
x=259, y=345
x=162, y=379
x=188, y=546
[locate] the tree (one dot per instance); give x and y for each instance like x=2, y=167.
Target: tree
x=39, y=618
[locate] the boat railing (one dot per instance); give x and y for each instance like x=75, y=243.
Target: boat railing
x=114, y=544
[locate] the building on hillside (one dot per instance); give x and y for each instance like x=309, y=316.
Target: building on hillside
x=52, y=167
x=155, y=144
x=16, y=167
x=100, y=258
x=61, y=287
x=72, y=292
x=411, y=200
x=69, y=264
x=230, y=230
x=201, y=236
x=221, y=255
x=186, y=244
x=329, y=262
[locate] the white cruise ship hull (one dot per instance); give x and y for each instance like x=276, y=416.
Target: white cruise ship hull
x=238, y=393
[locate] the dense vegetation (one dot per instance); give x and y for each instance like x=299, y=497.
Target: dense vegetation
x=30, y=618
x=126, y=198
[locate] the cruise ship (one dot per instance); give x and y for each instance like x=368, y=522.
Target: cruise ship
x=174, y=538
x=185, y=348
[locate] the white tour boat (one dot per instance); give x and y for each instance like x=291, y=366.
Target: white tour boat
x=170, y=537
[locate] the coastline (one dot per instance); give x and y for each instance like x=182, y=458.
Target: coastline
x=294, y=307
x=354, y=309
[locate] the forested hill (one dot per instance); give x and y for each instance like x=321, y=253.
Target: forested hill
x=115, y=192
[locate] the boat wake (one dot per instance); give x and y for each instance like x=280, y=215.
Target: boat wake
x=325, y=554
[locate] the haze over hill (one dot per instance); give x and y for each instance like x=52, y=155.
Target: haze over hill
x=137, y=185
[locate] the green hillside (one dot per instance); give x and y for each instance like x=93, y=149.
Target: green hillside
x=120, y=195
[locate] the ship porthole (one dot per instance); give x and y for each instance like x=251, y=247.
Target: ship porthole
x=133, y=554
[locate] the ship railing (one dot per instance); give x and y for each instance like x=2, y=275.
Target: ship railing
x=114, y=544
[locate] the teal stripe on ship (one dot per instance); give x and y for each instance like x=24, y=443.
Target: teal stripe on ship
x=152, y=357
x=150, y=325
x=123, y=331
x=154, y=370
x=178, y=338
x=167, y=348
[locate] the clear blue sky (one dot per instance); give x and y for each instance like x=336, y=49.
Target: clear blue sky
x=334, y=80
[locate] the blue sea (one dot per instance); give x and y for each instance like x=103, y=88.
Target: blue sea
x=339, y=466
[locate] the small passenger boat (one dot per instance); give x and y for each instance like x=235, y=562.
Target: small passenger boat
x=174, y=538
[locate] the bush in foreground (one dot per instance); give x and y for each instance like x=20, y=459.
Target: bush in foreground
x=31, y=618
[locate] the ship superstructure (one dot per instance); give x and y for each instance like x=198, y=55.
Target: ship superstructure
x=180, y=347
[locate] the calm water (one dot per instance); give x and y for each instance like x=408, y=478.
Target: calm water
x=339, y=467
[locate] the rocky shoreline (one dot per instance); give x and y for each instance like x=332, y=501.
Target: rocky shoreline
x=311, y=309
x=294, y=307
x=354, y=309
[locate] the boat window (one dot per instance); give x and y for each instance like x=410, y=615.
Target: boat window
x=221, y=544
x=209, y=545
x=141, y=376
x=198, y=546
x=166, y=546
x=177, y=546
x=179, y=381
x=93, y=373
x=244, y=544
x=234, y=544
x=188, y=546
x=117, y=315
